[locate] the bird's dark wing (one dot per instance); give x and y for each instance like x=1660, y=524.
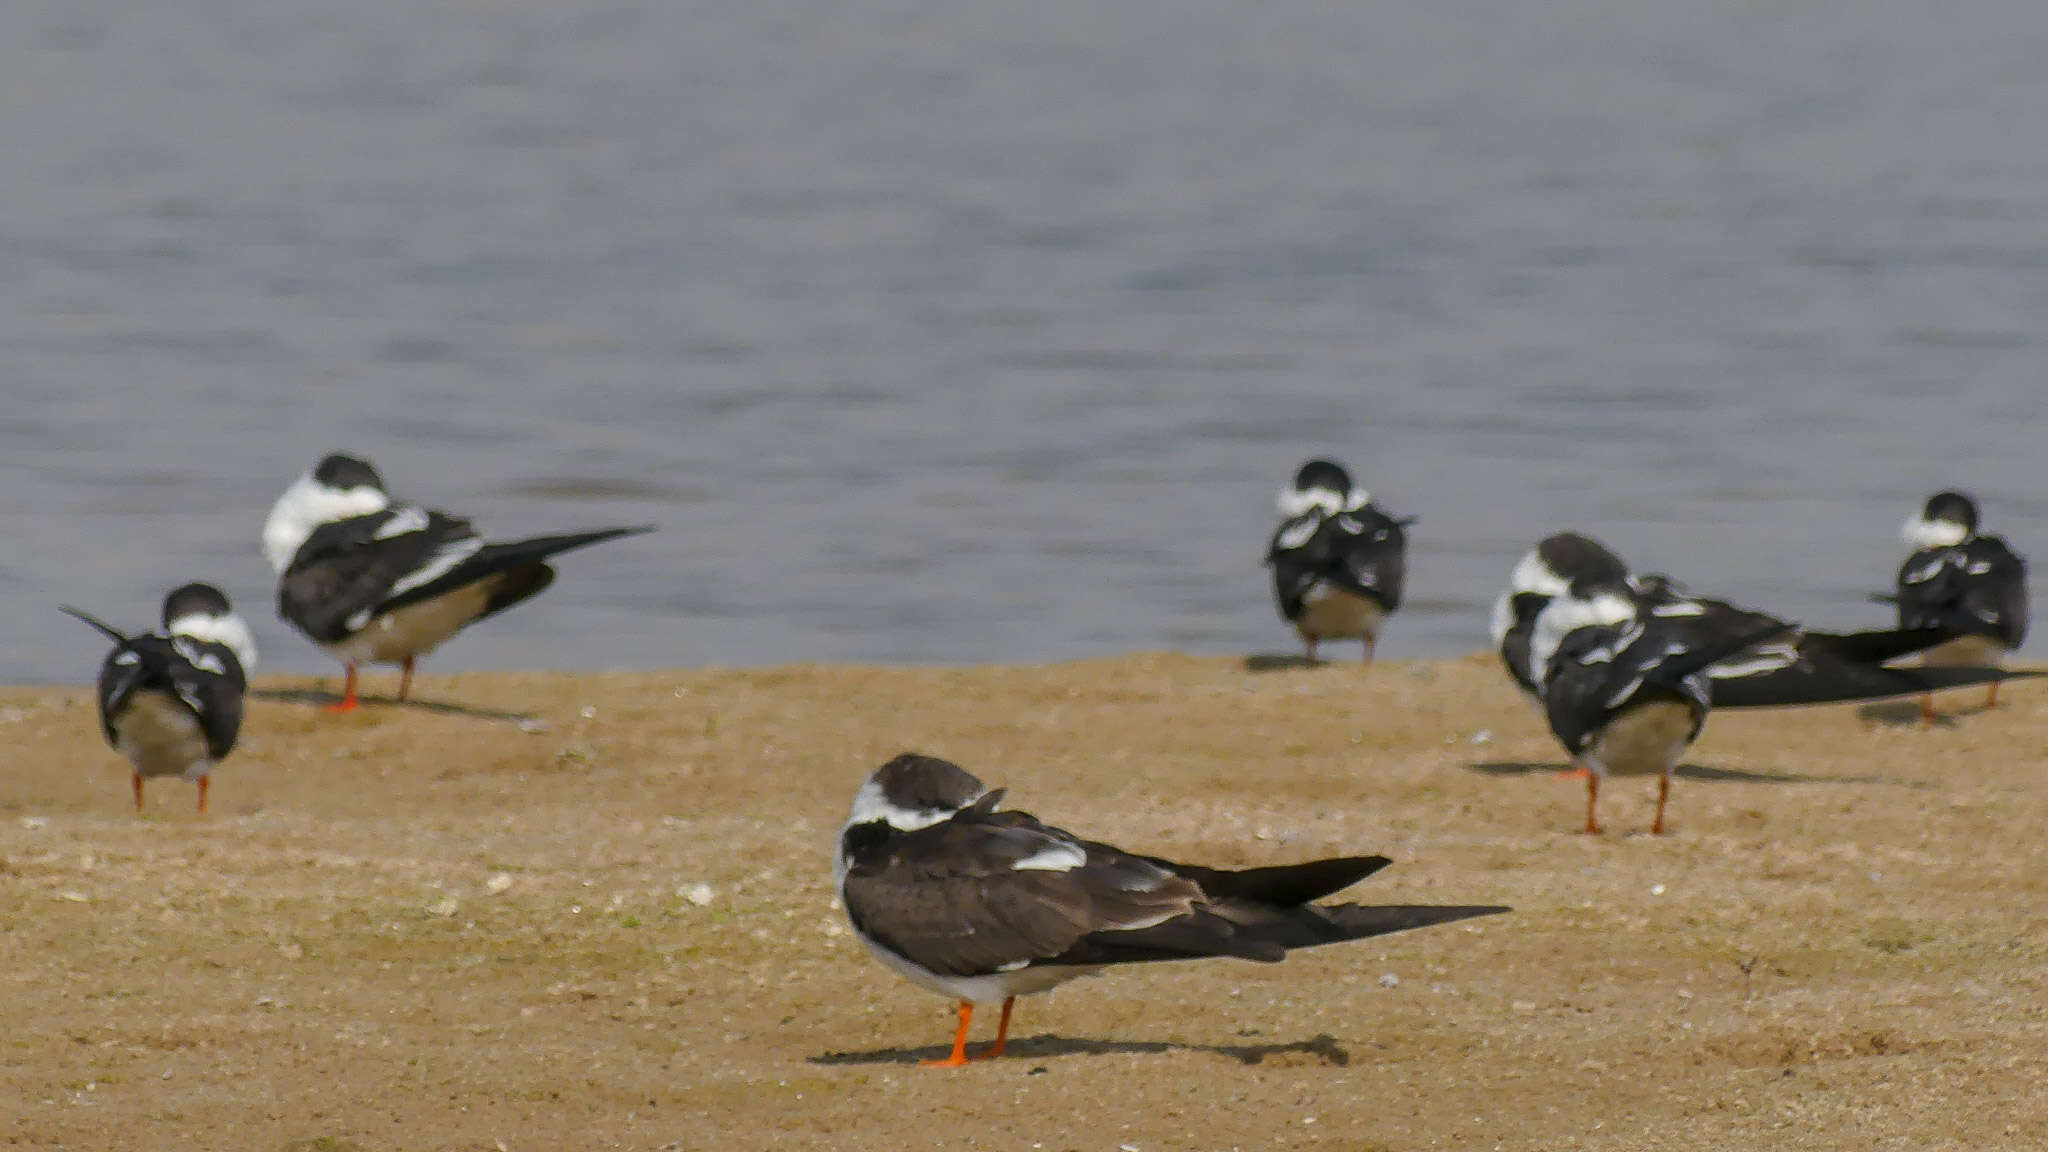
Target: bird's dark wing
x=1823, y=681
x=979, y=894
x=1874, y=647
x=1367, y=553
x=204, y=678
x=1296, y=560
x=1997, y=589
x=1929, y=590
x=350, y=570
x=1977, y=588
x=208, y=679
x=1599, y=671
x=523, y=557
x=1277, y=883
x=1703, y=619
x=1587, y=681
x=1362, y=550
x=139, y=663
x=1270, y=907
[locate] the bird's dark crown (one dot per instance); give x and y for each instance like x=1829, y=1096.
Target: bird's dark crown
x=195, y=600
x=1952, y=508
x=1320, y=473
x=340, y=470
x=921, y=783
x=1575, y=557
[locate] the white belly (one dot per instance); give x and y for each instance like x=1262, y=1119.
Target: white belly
x=1329, y=613
x=161, y=737
x=991, y=989
x=416, y=629
x=1965, y=652
x=1646, y=739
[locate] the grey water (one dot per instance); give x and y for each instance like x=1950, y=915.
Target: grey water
x=986, y=331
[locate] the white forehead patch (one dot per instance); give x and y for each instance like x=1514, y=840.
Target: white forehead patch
x=1531, y=574
x=305, y=506
x=870, y=805
x=1923, y=533
x=1329, y=501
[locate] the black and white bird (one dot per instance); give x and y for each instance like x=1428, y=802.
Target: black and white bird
x=1626, y=691
x=982, y=905
x=1968, y=584
x=1544, y=574
x=1338, y=559
x=172, y=703
x=1796, y=666
x=1627, y=681
x=376, y=581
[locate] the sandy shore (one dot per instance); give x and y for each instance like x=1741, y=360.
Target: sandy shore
x=436, y=927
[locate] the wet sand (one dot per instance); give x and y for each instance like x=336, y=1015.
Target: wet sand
x=541, y=911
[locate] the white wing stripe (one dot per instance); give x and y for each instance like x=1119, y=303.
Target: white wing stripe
x=1053, y=858
x=451, y=554
x=408, y=518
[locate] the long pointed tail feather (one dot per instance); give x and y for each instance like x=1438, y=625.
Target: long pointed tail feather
x=1332, y=924
x=1852, y=683
x=1879, y=646
x=111, y=632
x=1281, y=883
x=496, y=558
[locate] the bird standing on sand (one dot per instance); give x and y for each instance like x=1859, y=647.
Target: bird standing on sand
x=373, y=581
x=983, y=906
x=1338, y=559
x=1794, y=666
x=172, y=703
x=1625, y=690
x=1969, y=584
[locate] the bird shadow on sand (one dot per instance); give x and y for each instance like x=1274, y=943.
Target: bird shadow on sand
x=316, y=697
x=1280, y=662
x=1689, y=772
x=1906, y=714
x=1324, y=1050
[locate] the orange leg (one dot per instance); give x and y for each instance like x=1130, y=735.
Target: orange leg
x=405, y=680
x=1663, y=794
x=1370, y=644
x=138, y=793
x=1575, y=772
x=1991, y=701
x=202, y=794
x=959, y=1056
x=1592, y=803
x=1002, y=1032
x=348, y=694
x=1927, y=708
x=1311, y=650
